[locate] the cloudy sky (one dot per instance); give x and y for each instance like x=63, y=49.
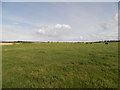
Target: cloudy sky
x=60, y=21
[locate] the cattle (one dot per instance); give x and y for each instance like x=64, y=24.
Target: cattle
x=106, y=43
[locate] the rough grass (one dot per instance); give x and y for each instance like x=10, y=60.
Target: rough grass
x=60, y=65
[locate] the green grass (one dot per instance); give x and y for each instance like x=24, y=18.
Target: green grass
x=60, y=65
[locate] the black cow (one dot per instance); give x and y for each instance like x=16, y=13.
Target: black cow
x=106, y=43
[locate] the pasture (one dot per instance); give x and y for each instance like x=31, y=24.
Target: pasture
x=60, y=65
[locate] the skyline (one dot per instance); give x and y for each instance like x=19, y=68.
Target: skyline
x=63, y=21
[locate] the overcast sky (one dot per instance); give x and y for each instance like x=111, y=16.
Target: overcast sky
x=60, y=21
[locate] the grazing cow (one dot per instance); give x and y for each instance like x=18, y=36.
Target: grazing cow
x=106, y=43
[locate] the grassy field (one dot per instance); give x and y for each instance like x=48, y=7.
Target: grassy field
x=60, y=65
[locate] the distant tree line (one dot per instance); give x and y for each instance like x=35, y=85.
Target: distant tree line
x=105, y=41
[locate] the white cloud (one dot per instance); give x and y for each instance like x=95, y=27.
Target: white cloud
x=16, y=32
x=116, y=17
x=54, y=30
x=58, y=26
x=61, y=32
x=62, y=26
x=112, y=22
x=58, y=32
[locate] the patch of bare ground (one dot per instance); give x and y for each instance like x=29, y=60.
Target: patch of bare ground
x=9, y=43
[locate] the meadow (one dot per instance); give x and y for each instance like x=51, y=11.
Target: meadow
x=60, y=65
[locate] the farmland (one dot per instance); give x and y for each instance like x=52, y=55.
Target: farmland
x=60, y=65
